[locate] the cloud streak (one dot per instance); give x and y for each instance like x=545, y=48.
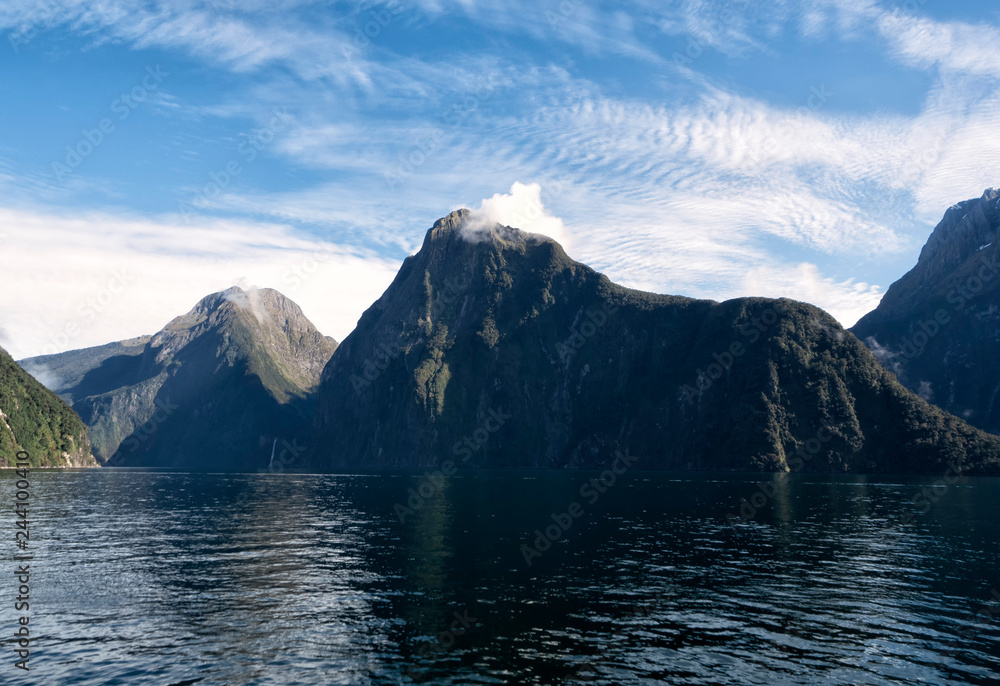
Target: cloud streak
x=694, y=185
x=523, y=209
x=140, y=273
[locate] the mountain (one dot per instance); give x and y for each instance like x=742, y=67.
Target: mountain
x=938, y=327
x=216, y=388
x=492, y=348
x=35, y=420
x=64, y=373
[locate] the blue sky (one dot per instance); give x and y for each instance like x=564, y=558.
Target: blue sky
x=157, y=151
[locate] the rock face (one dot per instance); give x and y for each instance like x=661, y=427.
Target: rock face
x=492, y=348
x=938, y=327
x=213, y=390
x=35, y=420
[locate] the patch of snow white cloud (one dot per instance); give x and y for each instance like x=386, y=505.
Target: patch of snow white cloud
x=248, y=298
x=45, y=376
x=523, y=209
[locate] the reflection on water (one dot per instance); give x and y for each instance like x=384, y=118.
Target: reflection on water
x=164, y=578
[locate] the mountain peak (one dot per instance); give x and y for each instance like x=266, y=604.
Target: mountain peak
x=453, y=221
x=485, y=325
x=967, y=231
x=234, y=374
x=468, y=225
x=265, y=305
x=965, y=228
x=936, y=326
x=241, y=316
x=466, y=230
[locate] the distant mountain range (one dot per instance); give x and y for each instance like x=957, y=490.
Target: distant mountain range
x=492, y=348
x=36, y=421
x=216, y=388
x=938, y=327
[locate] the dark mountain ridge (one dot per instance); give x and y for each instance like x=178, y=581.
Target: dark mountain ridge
x=494, y=348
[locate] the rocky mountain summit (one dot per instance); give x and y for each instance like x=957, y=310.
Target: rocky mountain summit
x=938, y=327
x=216, y=388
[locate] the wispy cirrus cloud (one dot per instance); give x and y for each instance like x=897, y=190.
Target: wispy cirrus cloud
x=953, y=47
x=240, y=40
x=681, y=198
x=692, y=182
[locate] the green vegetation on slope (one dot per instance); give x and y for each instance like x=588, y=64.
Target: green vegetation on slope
x=35, y=420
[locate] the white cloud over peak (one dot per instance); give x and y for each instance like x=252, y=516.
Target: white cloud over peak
x=523, y=209
x=248, y=298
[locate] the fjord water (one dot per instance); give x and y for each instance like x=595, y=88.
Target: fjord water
x=178, y=578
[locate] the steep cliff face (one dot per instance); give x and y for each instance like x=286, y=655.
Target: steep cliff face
x=214, y=389
x=938, y=327
x=493, y=348
x=35, y=420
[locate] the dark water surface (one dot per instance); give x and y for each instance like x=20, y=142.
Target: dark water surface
x=168, y=578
